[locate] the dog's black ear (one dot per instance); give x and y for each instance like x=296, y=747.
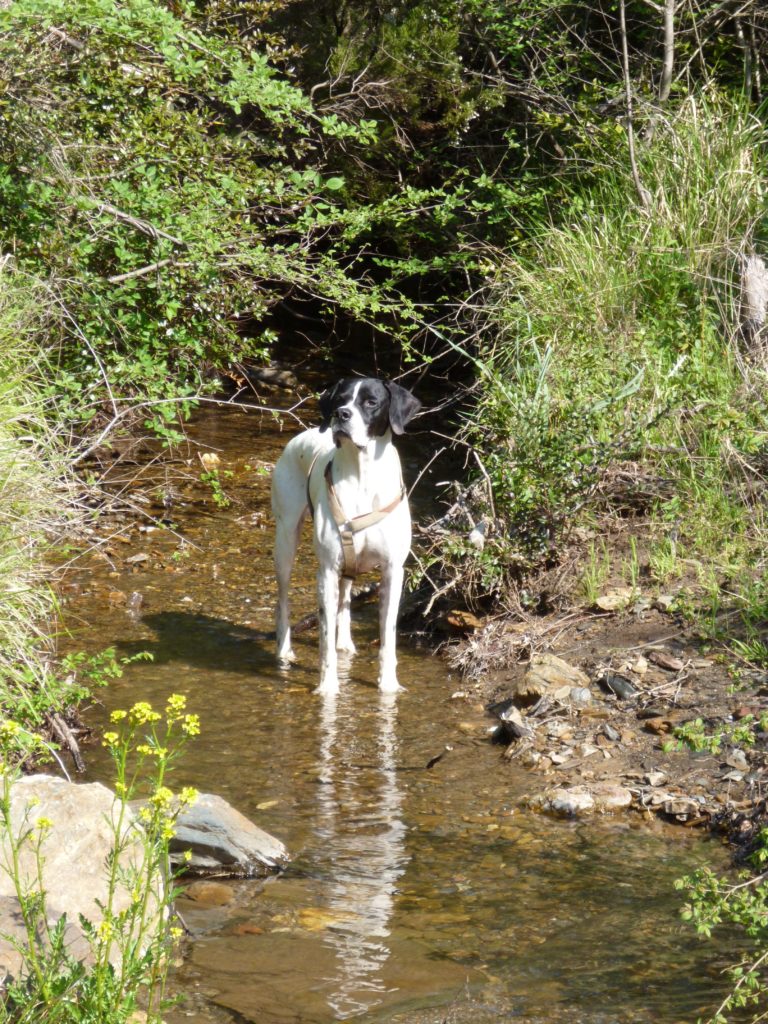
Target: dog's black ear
x=403, y=406
x=326, y=406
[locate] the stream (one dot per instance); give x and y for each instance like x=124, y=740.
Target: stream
x=414, y=894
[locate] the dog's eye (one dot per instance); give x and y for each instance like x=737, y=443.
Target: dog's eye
x=370, y=402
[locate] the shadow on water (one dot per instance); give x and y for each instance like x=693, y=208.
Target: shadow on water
x=202, y=641
x=414, y=894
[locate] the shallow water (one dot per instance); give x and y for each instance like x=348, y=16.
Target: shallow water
x=414, y=893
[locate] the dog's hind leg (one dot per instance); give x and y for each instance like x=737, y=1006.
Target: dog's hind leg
x=344, y=624
x=389, y=604
x=287, y=535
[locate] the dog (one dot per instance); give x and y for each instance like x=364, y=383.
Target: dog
x=346, y=473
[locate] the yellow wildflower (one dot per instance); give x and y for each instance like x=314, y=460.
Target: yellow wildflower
x=188, y=795
x=118, y=716
x=142, y=714
x=162, y=797
x=9, y=730
x=175, y=707
x=191, y=725
x=109, y=739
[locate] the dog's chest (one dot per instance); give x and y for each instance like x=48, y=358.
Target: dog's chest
x=358, y=494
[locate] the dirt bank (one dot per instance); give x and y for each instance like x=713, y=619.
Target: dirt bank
x=605, y=717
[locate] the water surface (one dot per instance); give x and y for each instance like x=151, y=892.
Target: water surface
x=414, y=894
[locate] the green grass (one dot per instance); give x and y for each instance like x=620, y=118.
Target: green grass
x=609, y=338
x=36, y=501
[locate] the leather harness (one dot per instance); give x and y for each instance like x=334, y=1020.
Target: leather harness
x=349, y=527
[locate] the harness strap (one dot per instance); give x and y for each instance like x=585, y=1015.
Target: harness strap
x=349, y=527
x=309, y=475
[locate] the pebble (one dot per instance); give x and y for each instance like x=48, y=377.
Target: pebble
x=574, y=801
x=737, y=759
x=654, y=778
x=620, y=685
x=666, y=661
x=615, y=600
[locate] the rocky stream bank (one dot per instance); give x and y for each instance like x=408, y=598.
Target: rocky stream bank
x=627, y=710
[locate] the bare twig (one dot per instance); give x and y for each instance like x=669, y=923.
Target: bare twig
x=136, y=222
x=142, y=271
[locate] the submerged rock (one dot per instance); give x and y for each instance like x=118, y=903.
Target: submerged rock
x=221, y=839
x=575, y=801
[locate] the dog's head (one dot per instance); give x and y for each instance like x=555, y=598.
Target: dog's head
x=361, y=408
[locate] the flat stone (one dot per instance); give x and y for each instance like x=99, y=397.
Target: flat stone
x=666, y=661
x=655, y=778
x=220, y=838
x=615, y=600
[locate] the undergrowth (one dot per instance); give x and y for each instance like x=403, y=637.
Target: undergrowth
x=612, y=380
x=38, y=500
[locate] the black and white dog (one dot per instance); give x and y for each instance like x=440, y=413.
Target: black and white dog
x=349, y=479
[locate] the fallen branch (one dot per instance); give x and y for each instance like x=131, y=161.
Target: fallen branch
x=67, y=740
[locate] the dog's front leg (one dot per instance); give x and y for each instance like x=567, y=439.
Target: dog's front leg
x=344, y=625
x=286, y=542
x=328, y=604
x=389, y=604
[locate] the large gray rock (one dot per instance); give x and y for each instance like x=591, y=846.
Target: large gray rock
x=220, y=838
x=74, y=851
x=14, y=937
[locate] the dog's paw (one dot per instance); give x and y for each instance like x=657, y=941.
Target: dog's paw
x=346, y=647
x=389, y=684
x=327, y=688
x=286, y=658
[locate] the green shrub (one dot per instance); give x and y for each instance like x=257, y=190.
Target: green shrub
x=610, y=336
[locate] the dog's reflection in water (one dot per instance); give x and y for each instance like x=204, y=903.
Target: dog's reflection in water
x=365, y=837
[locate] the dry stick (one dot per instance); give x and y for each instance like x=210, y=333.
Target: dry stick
x=421, y=474
x=150, y=268
x=668, y=64
x=141, y=225
x=642, y=192
x=66, y=737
